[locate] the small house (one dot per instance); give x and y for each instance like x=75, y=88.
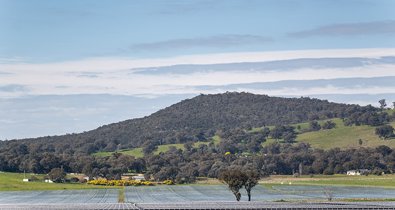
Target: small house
x=139, y=177
x=358, y=172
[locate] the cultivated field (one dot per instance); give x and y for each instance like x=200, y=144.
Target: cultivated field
x=60, y=196
x=198, y=193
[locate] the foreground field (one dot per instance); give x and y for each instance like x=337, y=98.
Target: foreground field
x=165, y=194
x=385, y=181
x=13, y=181
x=60, y=196
x=209, y=205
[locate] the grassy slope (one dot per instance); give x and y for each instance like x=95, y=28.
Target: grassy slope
x=387, y=181
x=138, y=152
x=13, y=181
x=344, y=137
x=341, y=136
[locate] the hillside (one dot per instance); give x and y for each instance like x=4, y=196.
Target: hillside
x=240, y=123
x=345, y=137
x=195, y=119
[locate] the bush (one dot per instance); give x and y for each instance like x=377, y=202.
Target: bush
x=328, y=125
x=34, y=178
x=168, y=182
x=385, y=131
x=106, y=182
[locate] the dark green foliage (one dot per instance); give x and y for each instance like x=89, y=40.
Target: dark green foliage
x=314, y=126
x=285, y=132
x=367, y=116
x=385, y=131
x=239, y=140
x=328, y=125
x=57, y=175
x=235, y=179
x=382, y=103
x=251, y=181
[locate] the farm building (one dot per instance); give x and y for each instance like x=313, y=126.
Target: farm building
x=358, y=172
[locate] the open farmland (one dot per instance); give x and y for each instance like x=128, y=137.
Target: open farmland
x=197, y=193
x=201, y=197
x=13, y=182
x=188, y=193
x=211, y=205
x=60, y=196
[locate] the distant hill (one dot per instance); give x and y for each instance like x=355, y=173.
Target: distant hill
x=195, y=119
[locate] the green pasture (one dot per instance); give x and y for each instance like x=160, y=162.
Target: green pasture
x=13, y=181
x=386, y=181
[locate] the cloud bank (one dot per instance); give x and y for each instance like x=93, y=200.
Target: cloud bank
x=186, y=74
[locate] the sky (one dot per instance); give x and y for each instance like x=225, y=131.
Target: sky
x=72, y=66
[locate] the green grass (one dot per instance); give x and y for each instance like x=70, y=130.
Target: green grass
x=386, y=181
x=13, y=181
x=165, y=148
x=138, y=152
x=344, y=137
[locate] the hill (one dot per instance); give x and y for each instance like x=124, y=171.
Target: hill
x=195, y=119
x=240, y=121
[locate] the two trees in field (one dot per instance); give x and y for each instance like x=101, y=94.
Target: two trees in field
x=237, y=179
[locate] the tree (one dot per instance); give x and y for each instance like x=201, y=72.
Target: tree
x=385, y=131
x=314, y=126
x=328, y=125
x=252, y=180
x=383, y=104
x=235, y=179
x=57, y=175
x=285, y=132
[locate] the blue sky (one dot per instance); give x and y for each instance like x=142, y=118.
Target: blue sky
x=56, y=54
x=44, y=31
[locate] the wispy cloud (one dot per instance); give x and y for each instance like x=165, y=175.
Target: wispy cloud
x=220, y=41
x=118, y=75
x=280, y=65
x=349, y=29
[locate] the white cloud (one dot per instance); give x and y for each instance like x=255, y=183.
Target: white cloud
x=113, y=75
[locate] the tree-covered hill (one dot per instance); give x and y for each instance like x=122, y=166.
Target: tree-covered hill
x=195, y=119
x=240, y=121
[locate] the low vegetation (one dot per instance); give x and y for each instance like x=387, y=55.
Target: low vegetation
x=106, y=182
